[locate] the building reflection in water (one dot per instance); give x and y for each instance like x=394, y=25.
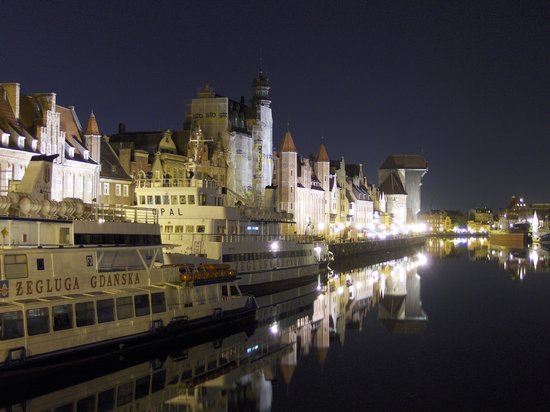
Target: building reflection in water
x=236, y=372
x=518, y=262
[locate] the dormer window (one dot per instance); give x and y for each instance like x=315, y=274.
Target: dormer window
x=5, y=139
x=21, y=142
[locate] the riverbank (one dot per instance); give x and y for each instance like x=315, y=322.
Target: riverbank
x=375, y=247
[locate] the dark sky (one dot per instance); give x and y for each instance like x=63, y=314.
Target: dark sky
x=465, y=83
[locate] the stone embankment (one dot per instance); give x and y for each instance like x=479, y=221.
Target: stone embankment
x=375, y=247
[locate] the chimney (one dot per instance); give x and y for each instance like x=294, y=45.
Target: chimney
x=12, y=91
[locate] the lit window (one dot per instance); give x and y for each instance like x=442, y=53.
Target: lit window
x=106, y=189
x=118, y=189
x=125, y=191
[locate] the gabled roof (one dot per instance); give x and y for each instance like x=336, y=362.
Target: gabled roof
x=288, y=143
x=110, y=163
x=392, y=185
x=404, y=162
x=322, y=155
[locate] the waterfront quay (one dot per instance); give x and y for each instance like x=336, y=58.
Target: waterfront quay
x=376, y=246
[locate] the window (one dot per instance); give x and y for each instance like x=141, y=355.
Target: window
x=125, y=393
x=40, y=264
x=125, y=190
x=142, y=305
x=15, y=266
x=174, y=199
x=168, y=228
x=62, y=317
x=142, y=200
x=158, y=200
x=191, y=199
x=106, y=400
x=38, y=321
x=203, y=199
x=84, y=313
x=200, y=229
x=149, y=200
x=182, y=199
x=189, y=228
x=158, y=302
x=105, y=310
x=142, y=387
x=179, y=229
x=158, y=381
x=124, y=308
x=11, y=325
x=165, y=200
x=106, y=189
x=118, y=189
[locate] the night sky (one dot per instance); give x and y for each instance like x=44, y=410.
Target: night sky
x=464, y=83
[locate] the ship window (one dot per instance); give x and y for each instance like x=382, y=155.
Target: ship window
x=125, y=191
x=203, y=199
x=142, y=200
x=15, y=266
x=142, y=305
x=40, y=264
x=38, y=321
x=168, y=229
x=142, y=387
x=234, y=291
x=200, y=229
x=158, y=381
x=124, y=307
x=11, y=325
x=189, y=228
x=158, y=199
x=105, y=310
x=62, y=317
x=125, y=393
x=86, y=404
x=179, y=229
x=191, y=199
x=165, y=200
x=149, y=200
x=106, y=400
x=158, y=302
x=174, y=199
x=182, y=200
x=84, y=313
x=199, y=368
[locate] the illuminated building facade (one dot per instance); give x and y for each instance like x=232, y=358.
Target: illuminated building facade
x=35, y=125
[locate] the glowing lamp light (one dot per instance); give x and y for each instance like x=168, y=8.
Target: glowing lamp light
x=340, y=290
x=275, y=246
x=274, y=329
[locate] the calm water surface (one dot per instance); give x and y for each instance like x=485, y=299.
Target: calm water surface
x=461, y=326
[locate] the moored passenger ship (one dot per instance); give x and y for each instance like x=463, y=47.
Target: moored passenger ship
x=197, y=220
x=77, y=279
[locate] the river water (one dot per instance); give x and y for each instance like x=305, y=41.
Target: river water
x=458, y=325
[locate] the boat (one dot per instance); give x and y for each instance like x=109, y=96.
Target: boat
x=78, y=279
x=517, y=236
x=203, y=222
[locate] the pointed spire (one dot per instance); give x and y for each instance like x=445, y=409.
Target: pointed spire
x=92, y=128
x=288, y=143
x=322, y=155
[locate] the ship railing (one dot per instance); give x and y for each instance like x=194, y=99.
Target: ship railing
x=237, y=238
x=176, y=182
x=119, y=213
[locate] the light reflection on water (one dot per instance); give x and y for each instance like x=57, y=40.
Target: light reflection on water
x=461, y=325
